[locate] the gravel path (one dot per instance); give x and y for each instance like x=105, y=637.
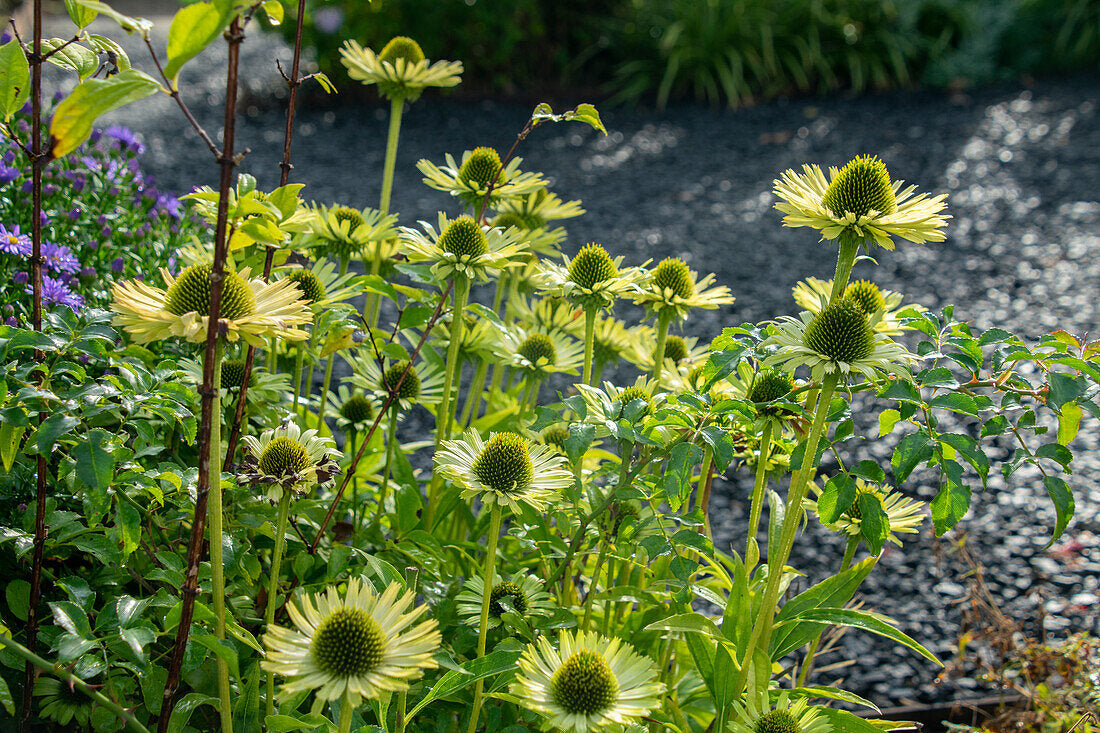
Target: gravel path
x=1022, y=167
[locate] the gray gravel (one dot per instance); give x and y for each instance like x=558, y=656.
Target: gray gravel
x=1021, y=165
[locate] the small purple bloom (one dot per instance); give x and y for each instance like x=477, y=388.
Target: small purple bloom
x=27, y=186
x=78, y=184
x=9, y=156
x=113, y=191
x=125, y=137
x=8, y=174
x=15, y=324
x=8, y=309
x=25, y=109
x=59, y=258
x=49, y=189
x=13, y=242
x=95, y=136
x=92, y=245
x=75, y=213
x=118, y=265
x=58, y=96
x=20, y=278
x=101, y=220
x=43, y=218
x=170, y=204
x=4, y=37
x=56, y=292
x=105, y=232
x=87, y=272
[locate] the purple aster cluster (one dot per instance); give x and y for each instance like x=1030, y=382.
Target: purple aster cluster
x=14, y=242
x=125, y=138
x=56, y=292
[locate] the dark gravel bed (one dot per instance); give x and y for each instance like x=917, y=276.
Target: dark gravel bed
x=1021, y=165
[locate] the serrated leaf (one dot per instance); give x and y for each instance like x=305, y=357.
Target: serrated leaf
x=887, y=419
x=950, y=505
x=1064, y=506
x=73, y=119
x=1068, y=423
x=913, y=450
x=15, y=78
x=1055, y=452
x=95, y=466
x=274, y=11
x=874, y=525
x=836, y=497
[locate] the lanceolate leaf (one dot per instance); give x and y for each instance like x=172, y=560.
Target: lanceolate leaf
x=1063, y=504
x=473, y=670
x=874, y=623
x=72, y=121
x=194, y=28
x=15, y=78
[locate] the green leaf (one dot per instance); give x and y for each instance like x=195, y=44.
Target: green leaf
x=1057, y=453
x=10, y=437
x=73, y=119
x=950, y=505
x=246, y=710
x=497, y=662
x=81, y=15
x=873, y=622
x=913, y=450
x=580, y=437
x=141, y=26
x=833, y=693
x=73, y=57
x=832, y=592
x=223, y=648
x=874, y=525
x=1063, y=504
x=842, y=720
x=993, y=336
x=687, y=623
x=1063, y=388
x=838, y=495
x=128, y=520
x=870, y=471
x=71, y=617
x=288, y=723
x=5, y=697
x=886, y=422
x=1068, y=423
x=95, y=465
x=274, y=11
x=956, y=402
x=583, y=113
x=51, y=429
x=181, y=714
x=15, y=78
x=193, y=29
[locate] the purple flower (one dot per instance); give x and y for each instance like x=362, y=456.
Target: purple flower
x=87, y=272
x=101, y=220
x=4, y=37
x=49, y=189
x=92, y=245
x=8, y=174
x=59, y=258
x=8, y=157
x=105, y=232
x=126, y=138
x=56, y=292
x=171, y=205
x=28, y=186
x=13, y=242
x=118, y=265
x=78, y=184
x=95, y=136
x=58, y=96
x=15, y=324
x=20, y=278
x=74, y=213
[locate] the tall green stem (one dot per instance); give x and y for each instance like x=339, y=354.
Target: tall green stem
x=663, y=320
x=495, y=517
x=591, y=595
x=702, y=489
x=397, y=106
x=758, y=487
x=322, y=429
x=217, y=530
x=345, y=715
x=473, y=395
x=273, y=585
x=845, y=258
x=299, y=360
x=808, y=662
x=353, y=436
x=589, y=342
x=446, y=407
x=761, y=631
x=391, y=444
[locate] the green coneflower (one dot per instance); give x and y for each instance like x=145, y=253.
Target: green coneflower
x=673, y=275
x=635, y=392
x=347, y=215
x=592, y=279
x=539, y=354
x=522, y=592
x=862, y=200
x=343, y=232
x=359, y=645
x=357, y=410
x=402, y=380
x=252, y=310
x=611, y=403
x=676, y=349
x=469, y=180
x=533, y=214
x=674, y=289
x=881, y=306
x=62, y=704
x=757, y=715
x=287, y=459
x=462, y=247
x=769, y=385
x=556, y=437
x=422, y=385
x=400, y=70
x=309, y=284
x=841, y=331
x=591, y=266
x=587, y=683
x=506, y=470
x=233, y=374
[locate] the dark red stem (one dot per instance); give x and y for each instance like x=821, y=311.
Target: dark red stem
x=234, y=36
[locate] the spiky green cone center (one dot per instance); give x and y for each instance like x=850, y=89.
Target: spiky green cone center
x=504, y=465
x=512, y=592
x=619, y=514
x=770, y=385
x=584, y=684
x=348, y=643
x=867, y=294
x=841, y=332
x=538, y=348
x=191, y=292
x=409, y=389
x=233, y=373
x=777, y=721
x=463, y=238
x=556, y=437
x=402, y=47
x=519, y=221
x=859, y=187
x=480, y=168
x=357, y=409
x=592, y=265
x=675, y=349
x=634, y=392
x=283, y=456
x=672, y=274
x=351, y=216
x=308, y=284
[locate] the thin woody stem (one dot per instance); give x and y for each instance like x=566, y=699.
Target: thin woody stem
x=293, y=82
x=175, y=94
x=208, y=390
x=36, y=316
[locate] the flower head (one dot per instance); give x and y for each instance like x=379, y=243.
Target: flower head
x=588, y=682
x=343, y=232
x=400, y=70
x=250, y=309
x=537, y=354
x=674, y=288
x=592, y=279
x=56, y=292
x=59, y=258
x=470, y=179
x=420, y=383
x=521, y=594
x=287, y=459
x=13, y=242
x=860, y=199
x=506, y=470
x=903, y=514
x=62, y=703
x=758, y=715
x=881, y=306
x=360, y=645
x=462, y=247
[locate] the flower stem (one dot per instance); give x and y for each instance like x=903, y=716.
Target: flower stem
x=800, y=480
x=758, y=486
x=495, y=517
x=217, y=565
x=849, y=552
x=322, y=429
x=71, y=679
x=589, y=343
x=345, y=715
x=845, y=258
x=353, y=434
x=663, y=320
x=591, y=594
x=273, y=585
x=808, y=662
x=299, y=361
x=473, y=395
x=397, y=106
x=702, y=489
x=391, y=444
x=446, y=410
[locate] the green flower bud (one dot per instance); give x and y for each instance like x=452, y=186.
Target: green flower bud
x=841, y=332
x=348, y=643
x=769, y=384
x=504, y=465
x=592, y=265
x=862, y=185
x=410, y=385
x=401, y=47
x=357, y=409
x=308, y=284
x=480, y=168
x=539, y=346
x=463, y=238
x=512, y=592
x=350, y=215
x=233, y=373
x=867, y=294
x=675, y=349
